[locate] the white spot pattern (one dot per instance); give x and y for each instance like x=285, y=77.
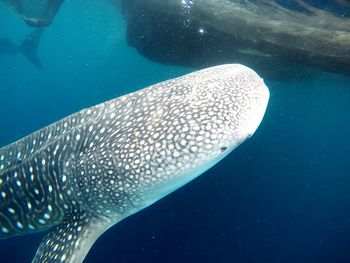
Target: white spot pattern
x=120, y=156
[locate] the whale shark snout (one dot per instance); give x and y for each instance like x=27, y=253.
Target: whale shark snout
x=232, y=100
x=253, y=98
x=237, y=95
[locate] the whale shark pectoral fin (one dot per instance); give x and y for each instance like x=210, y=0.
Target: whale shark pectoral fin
x=72, y=239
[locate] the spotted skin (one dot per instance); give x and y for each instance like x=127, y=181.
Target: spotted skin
x=83, y=174
x=71, y=240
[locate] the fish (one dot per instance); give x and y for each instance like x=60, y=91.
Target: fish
x=81, y=175
x=35, y=13
x=28, y=47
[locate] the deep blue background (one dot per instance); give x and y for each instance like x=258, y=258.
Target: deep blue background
x=283, y=196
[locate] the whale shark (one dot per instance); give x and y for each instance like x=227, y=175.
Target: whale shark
x=81, y=175
x=28, y=47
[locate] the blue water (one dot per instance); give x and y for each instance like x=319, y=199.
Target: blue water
x=283, y=196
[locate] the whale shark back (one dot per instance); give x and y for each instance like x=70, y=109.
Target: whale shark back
x=32, y=193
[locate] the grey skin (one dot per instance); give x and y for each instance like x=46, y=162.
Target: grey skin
x=28, y=47
x=36, y=13
x=85, y=173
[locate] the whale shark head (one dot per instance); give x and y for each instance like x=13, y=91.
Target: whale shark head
x=177, y=129
x=90, y=170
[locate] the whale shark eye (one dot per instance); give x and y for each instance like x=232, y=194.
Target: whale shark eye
x=223, y=149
